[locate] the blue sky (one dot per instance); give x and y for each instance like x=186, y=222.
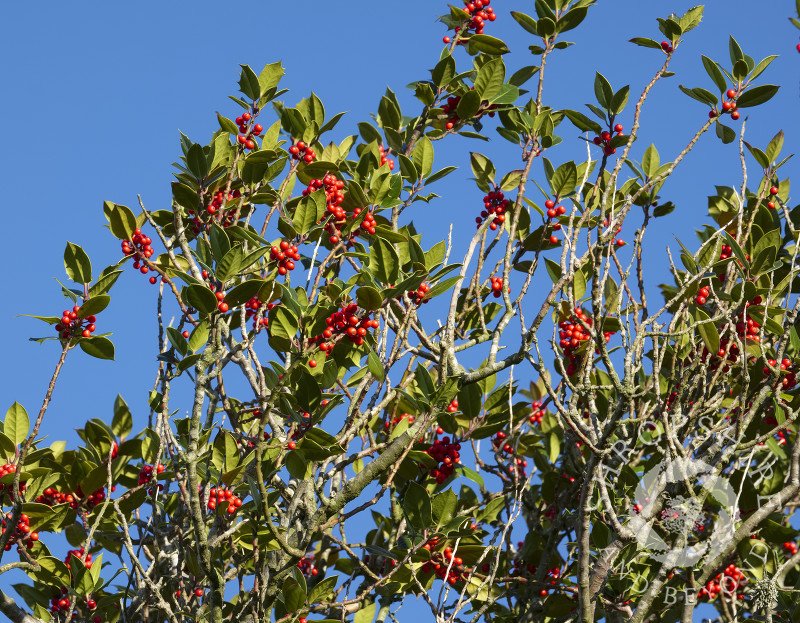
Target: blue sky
x=97, y=92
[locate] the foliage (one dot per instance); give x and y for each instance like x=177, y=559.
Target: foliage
x=344, y=451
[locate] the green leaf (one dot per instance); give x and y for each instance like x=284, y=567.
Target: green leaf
x=545, y=27
x=98, y=346
x=490, y=79
x=16, y=424
x=707, y=331
x=646, y=43
x=77, y=264
x=526, y=21
x=487, y=44
x=196, y=161
x=775, y=146
x=511, y=180
x=248, y=83
x=199, y=297
x=757, y=95
x=582, y=122
x=122, y=422
x=726, y=134
x=375, y=365
x=230, y=263
x=177, y=340
x=715, y=73
x=121, y=219
x=439, y=175
x=468, y=105
x=759, y=69
x=619, y=101
x=740, y=70
x=571, y=19
x=734, y=50
x=384, y=262
x=365, y=614
x=691, y=19
x=270, y=76
x=444, y=507
x=294, y=597
x=369, y=298
x=104, y=283
x=564, y=179
x=94, y=306
x=701, y=95
x=417, y=506
x=199, y=336
x=651, y=161
x=422, y=156
x=602, y=90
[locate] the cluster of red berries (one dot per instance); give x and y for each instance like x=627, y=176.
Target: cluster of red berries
x=8, y=468
x=78, y=553
x=385, y=158
x=702, y=295
x=286, y=254
x=788, y=380
x=520, y=567
x=494, y=203
x=451, y=408
x=251, y=309
x=301, y=151
x=51, y=497
x=147, y=473
x=791, y=548
x=334, y=197
x=729, y=582
x=21, y=534
x=216, y=287
x=219, y=202
x=418, y=296
x=139, y=248
x=773, y=191
x=573, y=335
x=438, y=564
x=396, y=420
x=447, y=455
x=91, y=500
x=480, y=12
x=537, y=412
x=500, y=445
x=452, y=116
x=247, y=134
x=553, y=211
x=667, y=47
x=497, y=287
x=605, y=140
x=307, y=566
x=728, y=106
x=218, y=495
x=72, y=325
x=345, y=323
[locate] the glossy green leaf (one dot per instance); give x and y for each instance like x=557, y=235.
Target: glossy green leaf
x=97, y=346
x=77, y=264
x=199, y=297
x=16, y=424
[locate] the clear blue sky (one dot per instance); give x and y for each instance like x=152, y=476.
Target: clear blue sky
x=96, y=94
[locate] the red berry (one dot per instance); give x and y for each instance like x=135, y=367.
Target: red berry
x=773, y=190
x=712, y=114
x=185, y=334
x=553, y=240
x=246, y=116
x=730, y=93
x=312, y=363
x=446, y=39
x=223, y=307
x=735, y=115
x=618, y=127
x=549, y=204
x=198, y=592
x=291, y=445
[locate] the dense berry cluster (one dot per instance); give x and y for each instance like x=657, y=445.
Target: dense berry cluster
x=91, y=500
x=447, y=455
x=51, y=497
x=604, y=140
x=520, y=567
x=21, y=534
x=345, y=323
x=307, y=566
x=8, y=468
x=439, y=564
x=138, y=247
x=791, y=548
x=702, y=295
x=537, y=412
x=497, y=287
x=71, y=325
x=667, y=47
x=219, y=202
x=728, y=106
x=553, y=211
x=385, y=157
x=301, y=151
x=788, y=380
x=218, y=495
x=251, y=309
x=285, y=254
x=573, y=335
x=148, y=473
x=247, y=133
x=451, y=408
x=479, y=12
x=334, y=197
x=418, y=296
x=494, y=203
x=730, y=582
